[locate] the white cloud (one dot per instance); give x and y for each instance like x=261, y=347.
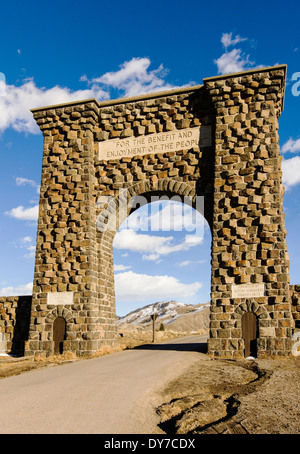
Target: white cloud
x=134, y=78
x=16, y=104
x=26, y=239
x=154, y=257
x=190, y=262
x=121, y=267
x=132, y=286
x=185, y=263
x=151, y=246
x=26, y=243
x=31, y=253
x=291, y=146
x=17, y=291
x=20, y=181
x=227, y=40
x=232, y=62
x=291, y=172
x=129, y=239
x=24, y=214
x=166, y=215
x=176, y=216
x=235, y=60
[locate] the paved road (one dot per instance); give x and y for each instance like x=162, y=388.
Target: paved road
x=113, y=394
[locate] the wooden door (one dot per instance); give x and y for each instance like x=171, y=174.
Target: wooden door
x=59, y=333
x=249, y=333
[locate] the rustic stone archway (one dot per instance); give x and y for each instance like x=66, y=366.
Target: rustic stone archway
x=217, y=141
x=115, y=210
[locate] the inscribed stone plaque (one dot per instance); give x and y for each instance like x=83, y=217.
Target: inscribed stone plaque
x=59, y=298
x=248, y=290
x=176, y=140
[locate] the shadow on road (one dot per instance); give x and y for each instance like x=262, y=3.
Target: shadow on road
x=189, y=347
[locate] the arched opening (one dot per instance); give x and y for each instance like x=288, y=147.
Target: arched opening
x=162, y=253
x=250, y=334
x=59, y=335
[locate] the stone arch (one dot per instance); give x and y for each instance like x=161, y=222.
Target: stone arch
x=167, y=186
x=250, y=305
x=60, y=311
x=145, y=188
x=190, y=141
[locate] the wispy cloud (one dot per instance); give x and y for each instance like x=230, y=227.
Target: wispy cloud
x=20, y=290
x=291, y=172
x=190, y=262
x=291, y=146
x=291, y=166
x=121, y=267
x=132, y=286
x=227, y=40
x=26, y=243
x=18, y=100
x=24, y=214
x=235, y=60
x=166, y=215
x=153, y=247
x=20, y=181
x=132, y=78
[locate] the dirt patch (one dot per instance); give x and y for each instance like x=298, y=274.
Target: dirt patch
x=221, y=396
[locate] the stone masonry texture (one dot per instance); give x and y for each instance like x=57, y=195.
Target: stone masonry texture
x=239, y=176
x=14, y=323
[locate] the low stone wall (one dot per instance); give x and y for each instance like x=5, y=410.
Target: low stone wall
x=14, y=323
x=295, y=302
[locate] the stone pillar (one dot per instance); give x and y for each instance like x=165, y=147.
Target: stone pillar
x=248, y=244
x=66, y=254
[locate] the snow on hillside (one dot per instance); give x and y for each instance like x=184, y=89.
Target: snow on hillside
x=167, y=312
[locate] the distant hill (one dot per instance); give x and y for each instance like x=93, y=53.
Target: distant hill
x=173, y=315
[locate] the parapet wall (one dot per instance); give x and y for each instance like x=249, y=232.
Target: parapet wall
x=14, y=323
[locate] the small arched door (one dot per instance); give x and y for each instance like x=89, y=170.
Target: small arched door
x=59, y=335
x=249, y=333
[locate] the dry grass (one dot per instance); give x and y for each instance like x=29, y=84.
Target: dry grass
x=57, y=359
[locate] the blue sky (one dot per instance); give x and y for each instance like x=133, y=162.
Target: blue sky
x=54, y=52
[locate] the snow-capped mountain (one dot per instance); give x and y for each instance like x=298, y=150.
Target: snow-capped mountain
x=172, y=314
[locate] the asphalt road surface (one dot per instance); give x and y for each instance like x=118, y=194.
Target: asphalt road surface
x=113, y=394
